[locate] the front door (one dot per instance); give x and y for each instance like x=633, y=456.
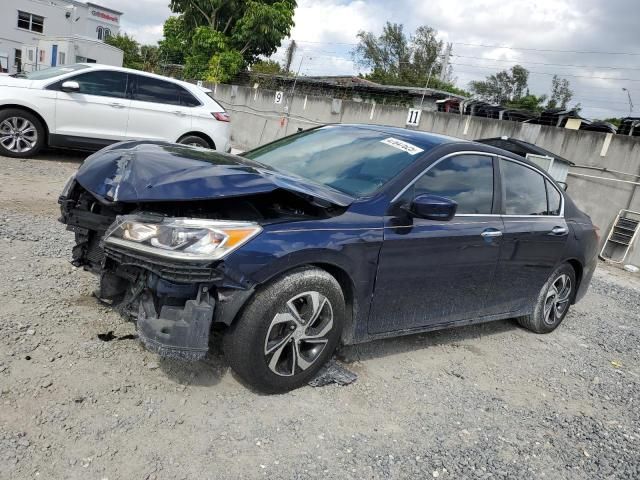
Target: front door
x=99, y=110
x=433, y=272
x=535, y=234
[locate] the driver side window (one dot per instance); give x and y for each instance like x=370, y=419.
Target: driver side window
x=466, y=179
x=102, y=83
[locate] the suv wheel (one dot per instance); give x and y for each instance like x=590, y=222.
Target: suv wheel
x=21, y=134
x=287, y=332
x=553, y=302
x=194, y=141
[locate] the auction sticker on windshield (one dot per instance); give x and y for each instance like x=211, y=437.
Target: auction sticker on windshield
x=400, y=145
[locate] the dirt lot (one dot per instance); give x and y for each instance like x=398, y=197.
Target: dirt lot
x=489, y=401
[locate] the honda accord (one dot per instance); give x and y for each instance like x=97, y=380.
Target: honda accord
x=336, y=235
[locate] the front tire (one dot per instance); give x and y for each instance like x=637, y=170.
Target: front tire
x=22, y=134
x=289, y=329
x=553, y=302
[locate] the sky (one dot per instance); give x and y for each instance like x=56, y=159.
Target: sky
x=594, y=44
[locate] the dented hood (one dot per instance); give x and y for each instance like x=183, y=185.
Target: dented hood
x=135, y=172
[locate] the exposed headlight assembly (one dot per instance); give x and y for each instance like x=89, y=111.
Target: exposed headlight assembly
x=191, y=239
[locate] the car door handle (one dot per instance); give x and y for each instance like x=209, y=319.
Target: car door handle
x=179, y=113
x=117, y=105
x=559, y=231
x=491, y=233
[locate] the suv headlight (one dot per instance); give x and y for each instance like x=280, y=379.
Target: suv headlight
x=180, y=238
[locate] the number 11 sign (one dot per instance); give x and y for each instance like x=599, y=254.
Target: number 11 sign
x=413, y=118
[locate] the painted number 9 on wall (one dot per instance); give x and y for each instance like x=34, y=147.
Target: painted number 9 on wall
x=278, y=97
x=413, y=117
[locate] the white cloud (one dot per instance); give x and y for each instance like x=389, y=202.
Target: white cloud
x=326, y=31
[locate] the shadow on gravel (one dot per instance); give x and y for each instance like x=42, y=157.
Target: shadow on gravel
x=207, y=372
x=451, y=336
x=61, y=155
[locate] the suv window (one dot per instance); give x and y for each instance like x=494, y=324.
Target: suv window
x=554, y=198
x=103, y=83
x=524, y=190
x=147, y=89
x=466, y=179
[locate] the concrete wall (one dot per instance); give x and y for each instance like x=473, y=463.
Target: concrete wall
x=256, y=120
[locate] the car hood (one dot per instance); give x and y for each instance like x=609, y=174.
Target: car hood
x=9, y=81
x=133, y=172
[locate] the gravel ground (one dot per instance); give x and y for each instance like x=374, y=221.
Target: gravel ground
x=487, y=401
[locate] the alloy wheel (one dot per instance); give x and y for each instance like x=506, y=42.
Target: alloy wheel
x=557, y=300
x=18, y=134
x=298, y=335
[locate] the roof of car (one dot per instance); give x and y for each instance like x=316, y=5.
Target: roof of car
x=140, y=72
x=414, y=136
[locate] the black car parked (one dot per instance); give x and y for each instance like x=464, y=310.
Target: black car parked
x=340, y=234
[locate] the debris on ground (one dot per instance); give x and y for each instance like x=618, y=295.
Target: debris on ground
x=333, y=372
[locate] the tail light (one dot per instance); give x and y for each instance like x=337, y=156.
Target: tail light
x=597, y=230
x=221, y=116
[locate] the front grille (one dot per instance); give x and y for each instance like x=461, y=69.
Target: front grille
x=179, y=272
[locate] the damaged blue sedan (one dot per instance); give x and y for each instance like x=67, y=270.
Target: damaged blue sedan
x=336, y=235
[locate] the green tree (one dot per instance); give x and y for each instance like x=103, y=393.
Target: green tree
x=529, y=102
x=505, y=86
x=393, y=58
x=150, y=58
x=561, y=93
x=270, y=67
x=220, y=37
x=130, y=47
x=176, y=41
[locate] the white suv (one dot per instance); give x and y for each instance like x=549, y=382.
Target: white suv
x=89, y=106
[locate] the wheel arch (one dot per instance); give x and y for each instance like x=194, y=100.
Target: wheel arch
x=9, y=106
x=578, y=268
x=337, y=271
x=203, y=136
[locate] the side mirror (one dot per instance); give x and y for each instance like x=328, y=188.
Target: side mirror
x=433, y=207
x=70, y=86
x=564, y=185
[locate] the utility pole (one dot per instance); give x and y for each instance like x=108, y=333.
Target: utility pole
x=630, y=102
x=426, y=85
x=445, y=62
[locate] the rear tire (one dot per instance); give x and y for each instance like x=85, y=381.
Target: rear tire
x=286, y=333
x=22, y=134
x=195, y=141
x=553, y=302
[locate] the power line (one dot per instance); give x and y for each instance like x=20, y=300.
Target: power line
x=482, y=45
x=548, y=73
x=594, y=52
x=547, y=64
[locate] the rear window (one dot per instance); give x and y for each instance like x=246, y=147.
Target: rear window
x=554, y=199
x=154, y=90
x=524, y=190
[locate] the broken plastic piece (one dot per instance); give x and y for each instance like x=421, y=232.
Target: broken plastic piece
x=333, y=372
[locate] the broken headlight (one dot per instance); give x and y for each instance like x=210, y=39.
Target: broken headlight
x=180, y=238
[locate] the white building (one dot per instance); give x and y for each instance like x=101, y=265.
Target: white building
x=37, y=34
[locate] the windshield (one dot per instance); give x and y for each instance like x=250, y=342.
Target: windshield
x=50, y=72
x=353, y=160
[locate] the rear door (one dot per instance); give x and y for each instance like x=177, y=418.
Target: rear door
x=160, y=110
x=434, y=272
x=99, y=110
x=535, y=234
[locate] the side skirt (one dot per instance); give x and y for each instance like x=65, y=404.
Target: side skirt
x=78, y=143
x=438, y=326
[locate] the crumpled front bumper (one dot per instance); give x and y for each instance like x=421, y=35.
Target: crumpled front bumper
x=176, y=332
